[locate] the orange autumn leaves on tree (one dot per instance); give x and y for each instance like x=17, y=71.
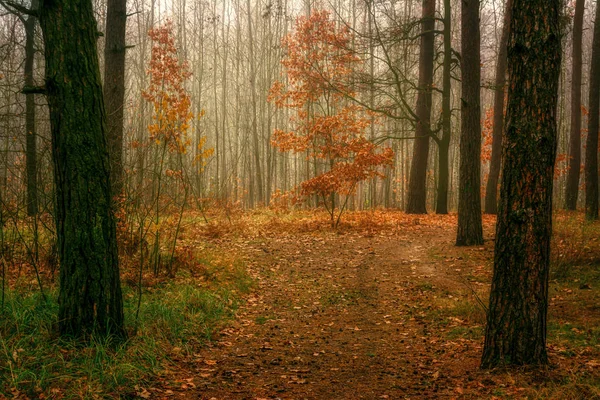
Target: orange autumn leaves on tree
x=318, y=66
x=166, y=92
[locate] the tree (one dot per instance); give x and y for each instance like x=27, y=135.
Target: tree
x=441, y=203
x=318, y=67
x=31, y=140
x=491, y=190
x=417, y=189
x=470, y=231
x=574, y=160
x=114, y=87
x=516, y=322
x=168, y=132
x=90, y=300
x=591, y=145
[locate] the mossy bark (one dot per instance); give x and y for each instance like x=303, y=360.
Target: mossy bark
x=90, y=300
x=516, y=322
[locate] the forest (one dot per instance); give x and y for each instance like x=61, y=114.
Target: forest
x=299, y=199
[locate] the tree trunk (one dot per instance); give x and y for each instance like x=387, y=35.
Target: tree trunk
x=441, y=204
x=114, y=87
x=574, y=161
x=441, y=201
x=90, y=298
x=31, y=137
x=516, y=322
x=491, y=190
x=255, y=139
x=591, y=149
x=470, y=231
x=417, y=188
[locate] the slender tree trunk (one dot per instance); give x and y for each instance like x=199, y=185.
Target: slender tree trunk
x=255, y=139
x=516, y=322
x=441, y=204
x=114, y=87
x=417, y=188
x=574, y=161
x=591, y=149
x=31, y=137
x=491, y=190
x=470, y=231
x=90, y=298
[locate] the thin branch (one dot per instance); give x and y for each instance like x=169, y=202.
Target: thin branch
x=18, y=9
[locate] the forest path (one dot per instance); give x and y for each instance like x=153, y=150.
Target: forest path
x=342, y=316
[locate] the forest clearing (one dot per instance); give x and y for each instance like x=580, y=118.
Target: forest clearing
x=383, y=307
x=227, y=199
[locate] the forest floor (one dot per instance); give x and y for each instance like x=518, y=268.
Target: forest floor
x=261, y=305
x=385, y=307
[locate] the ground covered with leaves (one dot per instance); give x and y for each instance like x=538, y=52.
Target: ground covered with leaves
x=384, y=307
x=387, y=307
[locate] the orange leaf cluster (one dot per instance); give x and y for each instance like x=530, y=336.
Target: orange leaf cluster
x=318, y=65
x=487, y=134
x=318, y=62
x=166, y=92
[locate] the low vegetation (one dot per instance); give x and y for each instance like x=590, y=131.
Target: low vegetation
x=267, y=262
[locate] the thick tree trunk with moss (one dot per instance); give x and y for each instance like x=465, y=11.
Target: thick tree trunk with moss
x=90, y=300
x=574, y=163
x=417, y=188
x=591, y=145
x=516, y=322
x=470, y=231
x=114, y=87
x=491, y=188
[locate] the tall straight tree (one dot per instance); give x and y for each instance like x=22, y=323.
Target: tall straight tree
x=417, y=189
x=31, y=140
x=516, y=322
x=491, y=188
x=114, y=87
x=574, y=161
x=470, y=231
x=90, y=299
x=591, y=145
x=443, y=184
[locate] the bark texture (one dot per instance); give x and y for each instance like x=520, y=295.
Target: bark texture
x=516, y=322
x=470, y=230
x=417, y=188
x=491, y=189
x=114, y=87
x=574, y=163
x=591, y=145
x=90, y=300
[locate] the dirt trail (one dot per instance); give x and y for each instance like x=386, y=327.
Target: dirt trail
x=339, y=317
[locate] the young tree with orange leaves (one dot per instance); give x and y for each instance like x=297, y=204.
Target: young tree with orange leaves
x=171, y=119
x=318, y=65
x=167, y=94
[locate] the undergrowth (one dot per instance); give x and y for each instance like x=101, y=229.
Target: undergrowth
x=174, y=319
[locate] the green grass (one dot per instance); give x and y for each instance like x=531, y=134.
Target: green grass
x=173, y=320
